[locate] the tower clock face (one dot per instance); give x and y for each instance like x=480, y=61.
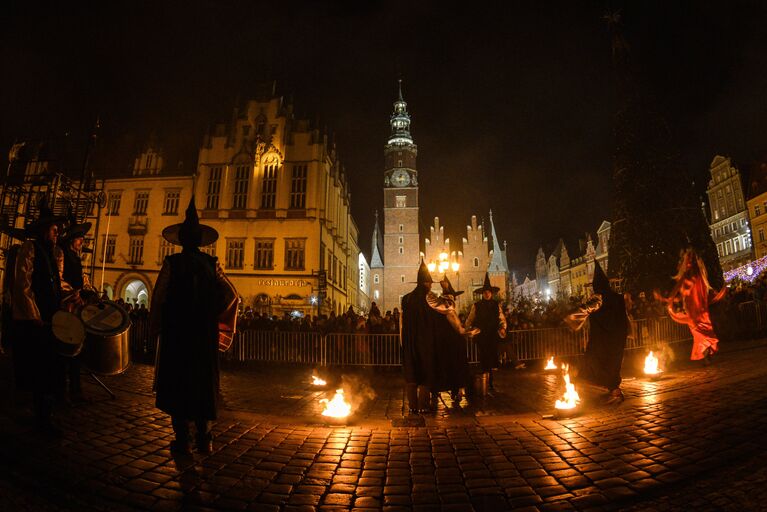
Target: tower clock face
x=400, y=178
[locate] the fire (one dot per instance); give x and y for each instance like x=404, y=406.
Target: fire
x=550, y=365
x=651, y=364
x=316, y=381
x=337, y=407
x=571, y=398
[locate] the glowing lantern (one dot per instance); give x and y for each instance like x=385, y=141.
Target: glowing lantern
x=571, y=399
x=651, y=364
x=338, y=407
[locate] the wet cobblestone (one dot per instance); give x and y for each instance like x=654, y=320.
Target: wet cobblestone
x=676, y=436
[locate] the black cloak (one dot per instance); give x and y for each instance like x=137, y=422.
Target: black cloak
x=419, y=339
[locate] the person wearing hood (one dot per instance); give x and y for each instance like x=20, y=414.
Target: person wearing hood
x=451, y=335
x=190, y=293
x=418, y=324
x=38, y=292
x=608, y=329
x=487, y=315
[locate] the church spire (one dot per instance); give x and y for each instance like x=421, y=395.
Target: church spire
x=498, y=262
x=375, y=253
x=400, y=122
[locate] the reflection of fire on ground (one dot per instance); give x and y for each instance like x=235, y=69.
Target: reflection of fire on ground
x=550, y=365
x=571, y=398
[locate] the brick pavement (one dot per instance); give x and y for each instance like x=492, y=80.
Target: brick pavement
x=272, y=451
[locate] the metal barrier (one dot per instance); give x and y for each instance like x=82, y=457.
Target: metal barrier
x=363, y=349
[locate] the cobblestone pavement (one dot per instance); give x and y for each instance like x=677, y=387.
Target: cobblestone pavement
x=691, y=440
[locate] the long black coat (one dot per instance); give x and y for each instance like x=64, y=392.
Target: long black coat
x=419, y=339
x=608, y=328
x=187, y=373
x=451, y=357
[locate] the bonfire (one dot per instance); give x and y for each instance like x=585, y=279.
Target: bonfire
x=571, y=399
x=338, y=407
x=316, y=381
x=550, y=365
x=651, y=365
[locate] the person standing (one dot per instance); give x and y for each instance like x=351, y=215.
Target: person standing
x=418, y=337
x=487, y=315
x=608, y=329
x=38, y=291
x=72, y=248
x=190, y=293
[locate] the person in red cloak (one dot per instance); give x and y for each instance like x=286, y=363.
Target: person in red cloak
x=695, y=294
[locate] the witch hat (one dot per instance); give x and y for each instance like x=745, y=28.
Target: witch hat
x=600, y=283
x=487, y=286
x=190, y=232
x=45, y=218
x=424, y=276
x=447, y=288
x=75, y=229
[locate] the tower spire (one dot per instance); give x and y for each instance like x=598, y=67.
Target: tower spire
x=400, y=122
x=375, y=253
x=498, y=263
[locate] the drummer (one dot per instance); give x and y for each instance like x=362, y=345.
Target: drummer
x=72, y=246
x=37, y=294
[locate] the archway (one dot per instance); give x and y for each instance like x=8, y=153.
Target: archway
x=136, y=293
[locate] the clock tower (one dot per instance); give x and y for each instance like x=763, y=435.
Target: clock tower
x=401, y=239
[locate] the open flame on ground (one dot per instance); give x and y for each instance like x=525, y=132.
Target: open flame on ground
x=338, y=407
x=550, y=365
x=651, y=364
x=316, y=381
x=571, y=399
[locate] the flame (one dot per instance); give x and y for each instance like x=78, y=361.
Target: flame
x=337, y=407
x=651, y=364
x=316, y=381
x=550, y=365
x=571, y=398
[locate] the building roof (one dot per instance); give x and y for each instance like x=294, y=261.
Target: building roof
x=498, y=263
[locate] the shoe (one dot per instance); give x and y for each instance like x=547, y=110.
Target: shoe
x=616, y=397
x=205, y=447
x=180, y=447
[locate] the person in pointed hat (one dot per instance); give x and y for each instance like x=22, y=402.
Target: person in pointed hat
x=38, y=290
x=190, y=293
x=451, y=336
x=418, y=324
x=608, y=329
x=487, y=315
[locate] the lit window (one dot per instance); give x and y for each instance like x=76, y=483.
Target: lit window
x=375, y=294
x=235, y=253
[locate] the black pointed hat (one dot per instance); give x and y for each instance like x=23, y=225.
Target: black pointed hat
x=45, y=218
x=424, y=276
x=487, y=286
x=447, y=288
x=600, y=284
x=75, y=229
x=190, y=232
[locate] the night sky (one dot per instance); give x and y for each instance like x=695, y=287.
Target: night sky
x=512, y=109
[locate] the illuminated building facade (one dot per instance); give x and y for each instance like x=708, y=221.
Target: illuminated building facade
x=729, y=215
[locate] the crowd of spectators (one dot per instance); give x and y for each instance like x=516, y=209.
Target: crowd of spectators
x=348, y=322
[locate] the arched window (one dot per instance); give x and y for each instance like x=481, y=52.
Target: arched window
x=476, y=262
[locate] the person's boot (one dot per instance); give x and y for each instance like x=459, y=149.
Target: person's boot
x=204, y=439
x=616, y=396
x=411, y=392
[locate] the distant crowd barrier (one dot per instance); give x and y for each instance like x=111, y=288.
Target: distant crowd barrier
x=362, y=349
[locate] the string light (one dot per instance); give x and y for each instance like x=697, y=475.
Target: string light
x=748, y=272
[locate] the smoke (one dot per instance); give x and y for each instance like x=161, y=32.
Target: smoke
x=357, y=391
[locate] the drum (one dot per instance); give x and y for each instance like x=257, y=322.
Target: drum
x=106, y=348
x=69, y=332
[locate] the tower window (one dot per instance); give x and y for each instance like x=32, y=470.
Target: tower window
x=402, y=227
x=401, y=239
x=399, y=163
x=402, y=250
x=401, y=279
x=476, y=262
x=376, y=279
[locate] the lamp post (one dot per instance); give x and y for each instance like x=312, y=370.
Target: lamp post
x=442, y=265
